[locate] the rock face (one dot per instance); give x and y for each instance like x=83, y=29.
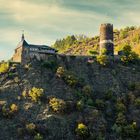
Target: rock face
x=99, y=116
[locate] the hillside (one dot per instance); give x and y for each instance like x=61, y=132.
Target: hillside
x=70, y=99
x=82, y=45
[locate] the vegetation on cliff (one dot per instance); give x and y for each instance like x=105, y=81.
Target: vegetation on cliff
x=70, y=99
x=82, y=45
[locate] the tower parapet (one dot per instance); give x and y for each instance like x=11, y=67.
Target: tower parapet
x=106, y=39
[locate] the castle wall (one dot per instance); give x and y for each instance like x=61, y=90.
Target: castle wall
x=17, y=57
x=106, y=39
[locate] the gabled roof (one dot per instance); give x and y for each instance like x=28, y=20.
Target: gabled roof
x=24, y=43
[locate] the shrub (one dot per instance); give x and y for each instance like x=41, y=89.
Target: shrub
x=14, y=108
x=30, y=128
x=87, y=90
x=9, y=111
x=121, y=120
x=131, y=98
x=100, y=103
x=4, y=67
x=120, y=107
x=129, y=131
x=137, y=102
x=131, y=86
x=35, y=94
x=82, y=130
x=80, y=105
x=57, y=105
x=60, y=72
x=102, y=60
x=108, y=95
x=71, y=79
x=90, y=102
x=38, y=136
x=68, y=77
x=117, y=129
x=50, y=65
x=128, y=55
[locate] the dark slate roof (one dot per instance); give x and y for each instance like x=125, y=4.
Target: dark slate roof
x=25, y=44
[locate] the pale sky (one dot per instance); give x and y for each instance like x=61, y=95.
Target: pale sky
x=44, y=21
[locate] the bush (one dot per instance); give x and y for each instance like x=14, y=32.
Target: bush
x=100, y=103
x=102, y=60
x=71, y=79
x=90, y=102
x=14, y=108
x=129, y=131
x=67, y=76
x=82, y=130
x=60, y=72
x=80, y=105
x=121, y=119
x=128, y=55
x=30, y=128
x=57, y=105
x=137, y=102
x=121, y=107
x=9, y=111
x=117, y=129
x=35, y=94
x=38, y=137
x=50, y=65
x=4, y=67
x=87, y=90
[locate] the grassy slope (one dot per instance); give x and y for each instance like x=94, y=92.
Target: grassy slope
x=83, y=47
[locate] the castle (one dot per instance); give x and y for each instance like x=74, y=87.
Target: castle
x=25, y=52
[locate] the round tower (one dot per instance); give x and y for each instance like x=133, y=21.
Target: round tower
x=106, y=39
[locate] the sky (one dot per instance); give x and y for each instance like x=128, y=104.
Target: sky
x=45, y=21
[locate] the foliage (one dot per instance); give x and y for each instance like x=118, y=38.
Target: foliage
x=100, y=103
x=30, y=128
x=14, y=108
x=137, y=102
x=80, y=105
x=57, y=105
x=102, y=60
x=120, y=107
x=93, y=52
x=35, y=94
x=60, y=72
x=87, y=90
x=117, y=129
x=82, y=130
x=121, y=119
x=90, y=102
x=68, y=77
x=50, y=65
x=130, y=130
x=9, y=111
x=65, y=43
x=38, y=136
x=4, y=67
x=128, y=55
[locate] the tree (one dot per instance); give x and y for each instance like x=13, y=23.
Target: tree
x=128, y=54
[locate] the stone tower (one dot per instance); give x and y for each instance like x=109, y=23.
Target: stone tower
x=106, y=39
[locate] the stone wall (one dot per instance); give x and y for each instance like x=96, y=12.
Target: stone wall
x=17, y=57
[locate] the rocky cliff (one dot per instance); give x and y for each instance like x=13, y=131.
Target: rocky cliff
x=70, y=98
